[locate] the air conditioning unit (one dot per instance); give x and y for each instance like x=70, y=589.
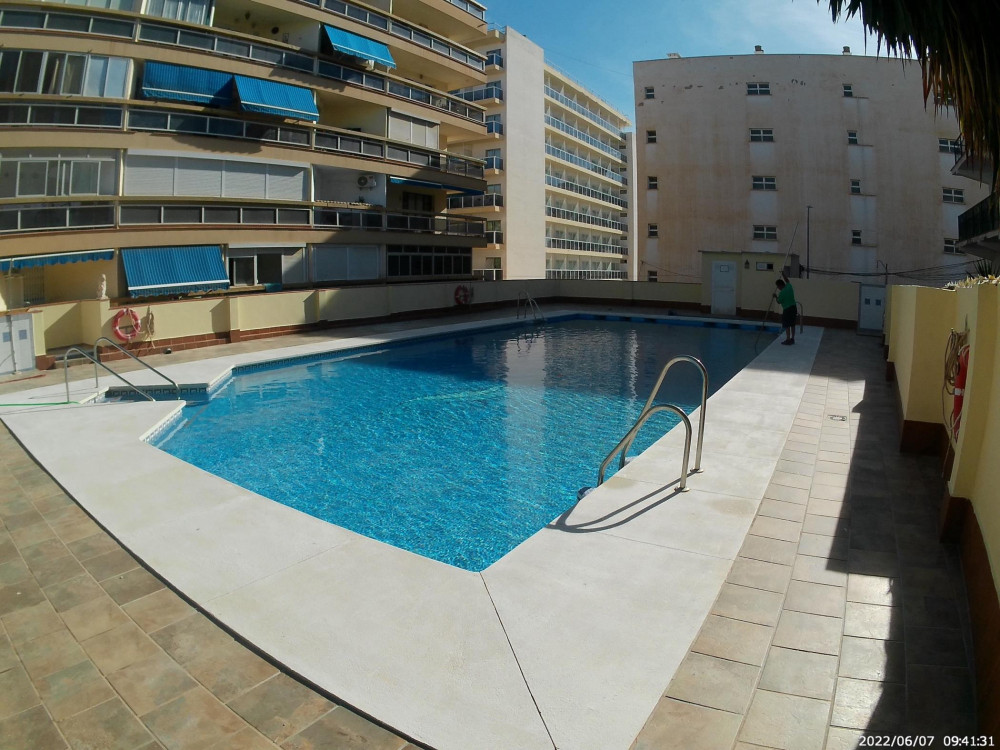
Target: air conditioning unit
x=367, y=181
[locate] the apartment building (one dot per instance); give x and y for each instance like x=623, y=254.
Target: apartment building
x=834, y=157
x=161, y=147
x=556, y=170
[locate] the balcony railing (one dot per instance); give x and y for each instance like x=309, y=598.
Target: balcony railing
x=585, y=163
x=561, y=213
x=104, y=213
x=494, y=126
x=579, y=189
x=982, y=218
x=414, y=34
x=476, y=201
x=553, y=273
x=494, y=238
x=557, y=243
x=474, y=8
x=149, y=119
x=582, y=110
x=494, y=162
x=233, y=45
x=480, y=93
x=494, y=58
x=488, y=274
x=580, y=135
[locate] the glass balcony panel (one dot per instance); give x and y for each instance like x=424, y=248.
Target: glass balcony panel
x=110, y=27
x=43, y=218
x=189, y=123
x=295, y=137
x=181, y=215
x=91, y=216
x=296, y=216
x=258, y=216
x=228, y=47
x=226, y=128
x=371, y=148
x=60, y=22
x=13, y=114
x=264, y=54
x=146, y=120
x=159, y=34
x=23, y=19
x=54, y=115
x=139, y=215
x=99, y=117
x=222, y=215
x=261, y=132
x=198, y=40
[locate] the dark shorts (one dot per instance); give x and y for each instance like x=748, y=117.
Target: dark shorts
x=788, y=316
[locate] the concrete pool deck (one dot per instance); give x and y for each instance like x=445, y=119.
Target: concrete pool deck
x=570, y=640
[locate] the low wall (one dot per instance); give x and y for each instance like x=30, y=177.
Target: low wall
x=921, y=322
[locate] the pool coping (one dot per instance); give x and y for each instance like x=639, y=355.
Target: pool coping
x=567, y=641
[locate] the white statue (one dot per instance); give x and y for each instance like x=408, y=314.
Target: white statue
x=102, y=287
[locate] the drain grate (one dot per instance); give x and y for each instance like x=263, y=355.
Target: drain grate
x=837, y=418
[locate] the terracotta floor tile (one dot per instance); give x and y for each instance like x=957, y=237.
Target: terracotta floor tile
x=73, y=592
x=196, y=719
x=94, y=617
x=768, y=721
x=108, y=726
x=91, y=546
x=109, y=564
x=134, y=584
x=50, y=653
x=32, y=729
x=148, y=684
x=117, y=648
x=32, y=622
x=157, y=610
x=16, y=692
x=799, y=673
x=74, y=689
x=713, y=682
x=281, y=707
x=342, y=729
x=20, y=596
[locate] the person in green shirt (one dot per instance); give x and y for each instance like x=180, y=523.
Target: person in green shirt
x=789, y=309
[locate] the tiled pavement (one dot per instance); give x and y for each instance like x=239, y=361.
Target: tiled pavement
x=96, y=654
x=843, y=614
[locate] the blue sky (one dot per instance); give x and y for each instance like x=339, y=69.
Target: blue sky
x=596, y=42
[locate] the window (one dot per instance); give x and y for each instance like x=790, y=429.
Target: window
x=953, y=195
x=761, y=135
x=855, y=187
x=855, y=236
x=192, y=11
x=493, y=189
x=951, y=246
x=46, y=172
x=650, y=92
x=758, y=89
x=652, y=182
x=852, y=137
x=949, y=146
x=650, y=136
x=764, y=183
x=418, y=202
x=848, y=90
x=764, y=232
x=413, y=130
x=30, y=72
x=650, y=275
x=653, y=230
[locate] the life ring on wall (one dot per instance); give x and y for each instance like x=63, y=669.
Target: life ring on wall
x=116, y=327
x=960, y=377
x=463, y=295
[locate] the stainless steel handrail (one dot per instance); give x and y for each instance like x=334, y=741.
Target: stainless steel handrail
x=704, y=401
x=626, y=441
x=96, y=365
x=529, y=303
x=177, y=388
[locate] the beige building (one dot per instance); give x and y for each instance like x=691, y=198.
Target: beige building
x=206, y=145
x=833, y=157
x=555, y=202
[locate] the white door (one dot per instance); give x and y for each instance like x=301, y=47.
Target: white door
x=871, y=307
x=17, y=349
x=723, y=288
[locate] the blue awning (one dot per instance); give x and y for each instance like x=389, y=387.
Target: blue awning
x=183, y=84
x=154, y=271
x=359, y=46
x=433, y=185
x=54, y=259
x=272, y=98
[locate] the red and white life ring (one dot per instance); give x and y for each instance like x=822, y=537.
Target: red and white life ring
x=463, y=295
x=133, y=316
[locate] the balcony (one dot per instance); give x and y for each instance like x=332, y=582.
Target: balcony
x=179, y=120
x=237, y=46
x=582, y=110
x=561, y=213
x=119, y=213
x=495, y=59
x=488, y=201
x=494, y=238
x=578, y=161
x=553, y=273
x=581, y=136
x=579, y=189
x=557, y=243
x=982, y=219
x=494, y=127
x=494, y=162
x=491, y=93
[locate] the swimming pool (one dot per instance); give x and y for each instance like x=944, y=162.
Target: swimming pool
x=456, y=448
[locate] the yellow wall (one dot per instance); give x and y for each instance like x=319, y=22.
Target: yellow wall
x=985, y=494
x=62, y=324
x=256, y=311
x=921, y=322
x=74, y=281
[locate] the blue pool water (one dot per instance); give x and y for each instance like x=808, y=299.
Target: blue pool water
x=457, y=449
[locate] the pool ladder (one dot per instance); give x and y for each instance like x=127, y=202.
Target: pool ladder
x=529, y=304
x=649, y=410
x=95, y=358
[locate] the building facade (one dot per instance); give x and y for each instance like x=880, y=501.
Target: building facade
x=556, y=170
x=161, y=148
x=833, y=157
